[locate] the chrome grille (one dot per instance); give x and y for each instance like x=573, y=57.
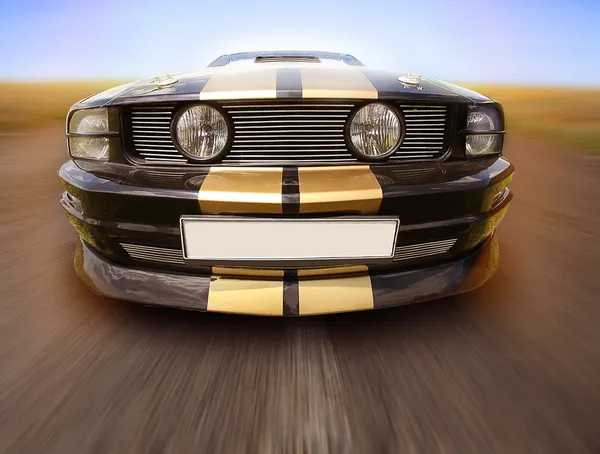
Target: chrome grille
x=175, y=256
x=420, y=250
x=151, y=135
x=153, y=253
x=289, y=132
x=425, y=131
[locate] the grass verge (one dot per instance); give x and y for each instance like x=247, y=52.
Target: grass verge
x=569, y=116
x=33, y=105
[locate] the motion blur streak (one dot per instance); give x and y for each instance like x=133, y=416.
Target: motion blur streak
x=512, y=368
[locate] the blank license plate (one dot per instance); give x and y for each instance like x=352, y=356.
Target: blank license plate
x=273, y=241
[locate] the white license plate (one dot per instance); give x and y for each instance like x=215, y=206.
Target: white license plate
x=285, y=241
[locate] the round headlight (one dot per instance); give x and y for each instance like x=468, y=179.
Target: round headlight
x=202, y=132
x=375, y=131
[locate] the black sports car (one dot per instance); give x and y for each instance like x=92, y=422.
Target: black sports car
x=285, y=183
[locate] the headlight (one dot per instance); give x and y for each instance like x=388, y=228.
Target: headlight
x=88, y=134
x=202, y=132
x=482, y=119
x=375, y=131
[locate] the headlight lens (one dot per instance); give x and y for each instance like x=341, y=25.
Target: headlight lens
x=202, y=132
x=484, y=119
x=89, y=122
x=375, y=131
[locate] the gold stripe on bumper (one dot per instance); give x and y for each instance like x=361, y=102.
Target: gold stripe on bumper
x=339, y=189
x=347, y=83
x=238, y=190
x=245, y=296
x=327, y=296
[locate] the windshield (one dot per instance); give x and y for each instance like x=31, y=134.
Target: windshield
x=346, y=58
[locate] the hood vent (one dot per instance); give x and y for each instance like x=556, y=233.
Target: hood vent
x=287, y=59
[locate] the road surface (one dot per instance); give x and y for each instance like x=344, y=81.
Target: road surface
x=513, y=367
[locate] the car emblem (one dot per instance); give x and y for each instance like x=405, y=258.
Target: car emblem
x=164, y=81
x=411, y=80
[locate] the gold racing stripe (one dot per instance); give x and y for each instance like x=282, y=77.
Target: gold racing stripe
x=344, y=188
x=245, y=296
x=331, y=82
x=328, y=296
x=241, y=190
x=228, y=83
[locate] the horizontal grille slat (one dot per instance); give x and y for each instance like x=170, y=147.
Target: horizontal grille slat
x=158, y=116
x=287, y=122
x=416, y=148
x=157, y=145
x=284, y=128
x=318, y=145
x=278, y=132
x=300, y=157
x=289, y=111
x=301, y=117
x=173, y=152
x=158, y=155
x=283, y=141
x=431, y=111
x=283, y=106
x=155, y=141
x=161, y=160
x=423, y=134
x=282, y=137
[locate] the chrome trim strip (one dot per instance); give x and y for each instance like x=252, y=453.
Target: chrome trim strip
x=284, y=105
x=107, y=134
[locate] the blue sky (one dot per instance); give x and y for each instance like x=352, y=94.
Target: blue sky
x=513, y=41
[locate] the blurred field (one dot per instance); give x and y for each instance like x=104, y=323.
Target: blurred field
x=567, y=116
x=33, y=105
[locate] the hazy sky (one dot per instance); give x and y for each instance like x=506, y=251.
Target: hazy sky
x=516, y=41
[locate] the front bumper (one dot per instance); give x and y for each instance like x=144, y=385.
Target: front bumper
x=277, y=297
x=128, y=219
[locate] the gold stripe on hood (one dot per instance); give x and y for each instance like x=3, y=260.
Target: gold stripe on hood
x=339, y=189
x=328, y=82
x=241, y=190
x=229, y=83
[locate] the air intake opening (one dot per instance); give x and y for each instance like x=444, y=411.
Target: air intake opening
x=287, y=58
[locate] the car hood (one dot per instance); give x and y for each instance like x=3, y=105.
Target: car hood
x=249, y=80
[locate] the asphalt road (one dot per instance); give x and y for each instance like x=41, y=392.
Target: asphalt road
x=513, y=367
